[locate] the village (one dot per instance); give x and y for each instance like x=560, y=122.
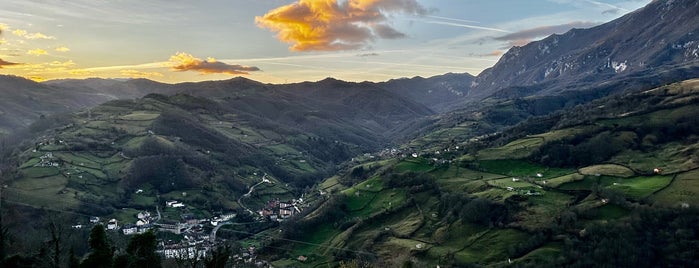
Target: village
x=198, y=235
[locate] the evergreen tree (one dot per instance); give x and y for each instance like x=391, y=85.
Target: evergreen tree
x=140, y=252
x=102, y=252
x=219, y=257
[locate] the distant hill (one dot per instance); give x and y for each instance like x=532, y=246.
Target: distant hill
x=23, y=101
x=440, y=93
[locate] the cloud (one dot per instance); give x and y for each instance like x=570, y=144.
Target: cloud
x=139, y=74
x=37, y=52
x=62, y=49
x=331, y=25
x=525, y=36
x=27, y=35
x=6, y=63
x=81, y=72
x=38, y=36
x=495, y=53
x=68, y=63
x=368, y=55
x=186, y=62
x=463, y=25
x=37, y=78
x=612, y=11
x=20, y=33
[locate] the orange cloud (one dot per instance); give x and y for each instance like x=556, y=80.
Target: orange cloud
x=139, y=74
x=37, y=52
x=186, y=62
x=334, y=24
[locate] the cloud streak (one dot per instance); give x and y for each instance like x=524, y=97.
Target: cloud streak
x=332, y=25
x=139, y=74
x=6, y=63
x=186, y=62
x=463, y=25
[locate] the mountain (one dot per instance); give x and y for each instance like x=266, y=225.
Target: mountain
x=440, y=93
x=607, y=180
x=24, y=101
x=357, y=110
x=112, y=88
x=662, y=36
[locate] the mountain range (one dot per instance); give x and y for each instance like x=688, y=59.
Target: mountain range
x=561, y=137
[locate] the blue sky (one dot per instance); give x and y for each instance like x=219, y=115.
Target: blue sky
x=356, y=40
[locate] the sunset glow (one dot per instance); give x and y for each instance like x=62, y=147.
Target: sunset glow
x=277, y=41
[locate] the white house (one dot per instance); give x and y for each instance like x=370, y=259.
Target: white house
x=112, y=224
x=129, y=229
x=143, y=215
x=174, y=204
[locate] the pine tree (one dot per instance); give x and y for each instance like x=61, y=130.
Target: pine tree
x=141, y=250
x=102, y=251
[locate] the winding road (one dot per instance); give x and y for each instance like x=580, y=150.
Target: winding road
x=240, y=200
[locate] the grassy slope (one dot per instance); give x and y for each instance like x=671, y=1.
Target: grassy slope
x=419, y=229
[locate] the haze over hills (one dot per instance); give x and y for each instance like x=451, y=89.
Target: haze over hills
x=23, y=101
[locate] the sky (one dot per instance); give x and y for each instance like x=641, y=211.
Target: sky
x=278, y=41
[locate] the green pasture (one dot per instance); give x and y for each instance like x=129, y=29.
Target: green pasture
x=683, y=189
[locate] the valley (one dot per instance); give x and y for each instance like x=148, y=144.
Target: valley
x=579, y=149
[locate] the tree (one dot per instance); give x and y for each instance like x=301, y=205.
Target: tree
x=140, y=252
x=73, y=261
x=218, y=258
x=57, y=232
x=101, y=254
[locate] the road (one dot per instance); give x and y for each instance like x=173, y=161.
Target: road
x=240, y=200
x=212, y=237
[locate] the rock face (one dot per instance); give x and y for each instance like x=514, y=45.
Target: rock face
x=664, y=34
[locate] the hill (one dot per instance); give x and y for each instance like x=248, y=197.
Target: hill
x=526, y=195
x=24, y=101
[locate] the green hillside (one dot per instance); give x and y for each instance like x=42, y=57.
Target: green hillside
x=181, y=147
x=533, y=198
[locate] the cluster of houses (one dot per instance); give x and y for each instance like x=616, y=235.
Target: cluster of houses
x=275, y=210
x=49, y=141
x=46, y=160
x=142, y=225
x=246, y=256
x=185, y=250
